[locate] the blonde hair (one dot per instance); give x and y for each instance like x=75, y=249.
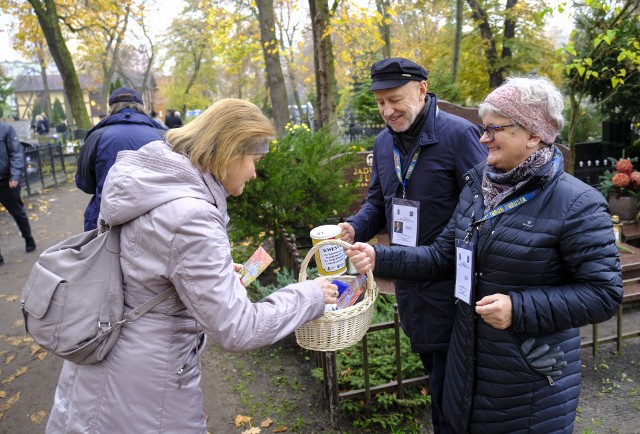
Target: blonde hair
x=228, y=130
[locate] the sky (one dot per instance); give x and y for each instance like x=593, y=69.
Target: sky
x=159, y=20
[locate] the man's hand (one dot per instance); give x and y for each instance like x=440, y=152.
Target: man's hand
x=495, y=310
x=348, y=234
x=362, y=256
x=13, y=183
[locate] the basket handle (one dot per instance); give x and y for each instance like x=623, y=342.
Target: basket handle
x=305, y=263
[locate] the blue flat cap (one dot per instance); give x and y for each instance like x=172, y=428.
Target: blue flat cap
x=125, y=94
x=395, y=72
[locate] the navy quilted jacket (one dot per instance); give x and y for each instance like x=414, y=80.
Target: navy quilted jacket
x=555, y=256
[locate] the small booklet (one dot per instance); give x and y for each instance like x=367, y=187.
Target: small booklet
x=354, y=293
x=255, y=265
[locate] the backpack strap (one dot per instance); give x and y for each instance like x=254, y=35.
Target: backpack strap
x=135, y=313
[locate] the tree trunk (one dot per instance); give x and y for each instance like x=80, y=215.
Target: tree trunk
x=48, y=18
x=111, y=55
x=385, y=31
x=46, y=100
x=496, y=65
x=458, y=39
x=271, y=51
x=324, y=66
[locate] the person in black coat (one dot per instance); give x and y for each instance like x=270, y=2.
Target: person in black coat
x=535, y=259
x=11, y=170
x=173, y=120
x=421, y=146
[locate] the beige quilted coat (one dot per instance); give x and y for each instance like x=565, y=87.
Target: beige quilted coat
x=174, y=219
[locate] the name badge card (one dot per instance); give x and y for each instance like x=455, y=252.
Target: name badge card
x=405, y=222
x=464, y=271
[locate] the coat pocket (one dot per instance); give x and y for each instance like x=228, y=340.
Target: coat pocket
x=192, y=359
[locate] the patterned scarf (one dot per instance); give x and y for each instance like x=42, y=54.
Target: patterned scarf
x=498, y=185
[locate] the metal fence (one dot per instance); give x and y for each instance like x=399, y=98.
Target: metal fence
x=590, y=171
x=46, y=165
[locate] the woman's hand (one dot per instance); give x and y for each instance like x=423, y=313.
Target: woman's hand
x=495, y=310
x=329, y=290
x=362, y=256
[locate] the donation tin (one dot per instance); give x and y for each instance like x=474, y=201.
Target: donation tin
x=330, y=259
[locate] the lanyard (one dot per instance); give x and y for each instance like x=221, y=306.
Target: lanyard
x=499, y=210
x=412, y=165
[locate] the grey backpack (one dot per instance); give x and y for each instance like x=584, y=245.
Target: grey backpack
x=73, y=302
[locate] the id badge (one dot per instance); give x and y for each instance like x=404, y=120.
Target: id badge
x=464, y=271
x=406, y=215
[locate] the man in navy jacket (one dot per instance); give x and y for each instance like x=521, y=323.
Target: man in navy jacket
x=417, y=174
x=128, y=127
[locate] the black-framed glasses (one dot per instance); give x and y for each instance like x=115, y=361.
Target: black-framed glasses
x=491, y=130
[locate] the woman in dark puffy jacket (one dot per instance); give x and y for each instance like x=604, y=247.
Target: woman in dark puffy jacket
x=535, y=258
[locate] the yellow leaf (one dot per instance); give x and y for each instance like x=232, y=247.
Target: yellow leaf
x=240, y=419
x=10, y=358
x=18, y=323
x=266, y=423
x=38, y=417
x=3, y=394
x=254, y=430
x=15, y=340
x=12, y=298
x=280, y=429
x=42, y=355
x=19, y=372
x=9, y=402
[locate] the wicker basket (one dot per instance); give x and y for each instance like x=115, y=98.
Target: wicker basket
x=341, y=328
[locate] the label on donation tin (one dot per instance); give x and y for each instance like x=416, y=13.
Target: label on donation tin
x=330, y=259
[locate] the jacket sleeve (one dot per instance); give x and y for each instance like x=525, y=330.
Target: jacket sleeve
x=371, y=217
x=201, y=268
x=422, y=263
x=469, y=153
x=591, y=258
x=16, y=154
x=86, y=173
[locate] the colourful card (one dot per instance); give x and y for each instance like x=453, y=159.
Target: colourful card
x=255, y=265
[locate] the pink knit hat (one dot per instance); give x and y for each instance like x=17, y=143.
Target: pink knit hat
x=531, y=114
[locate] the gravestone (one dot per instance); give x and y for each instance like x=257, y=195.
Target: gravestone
x=360, y=173
x=22, y=128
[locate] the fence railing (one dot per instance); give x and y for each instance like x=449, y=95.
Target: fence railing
x=590, y=171
x=288, y=256
x=46, y=165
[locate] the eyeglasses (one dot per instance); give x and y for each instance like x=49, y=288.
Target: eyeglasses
x=490, y=130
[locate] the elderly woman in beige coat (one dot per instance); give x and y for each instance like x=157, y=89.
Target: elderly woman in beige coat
x=170, y=198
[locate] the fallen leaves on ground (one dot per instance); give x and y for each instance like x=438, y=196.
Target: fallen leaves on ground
x=266, y=423
x=19, y=372
x=240, y=419
x=9, y=402
x=254, y=430
x=280, y=429
x=38, y=417
x=10, y=358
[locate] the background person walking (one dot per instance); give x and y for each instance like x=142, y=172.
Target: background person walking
x=11, y=167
